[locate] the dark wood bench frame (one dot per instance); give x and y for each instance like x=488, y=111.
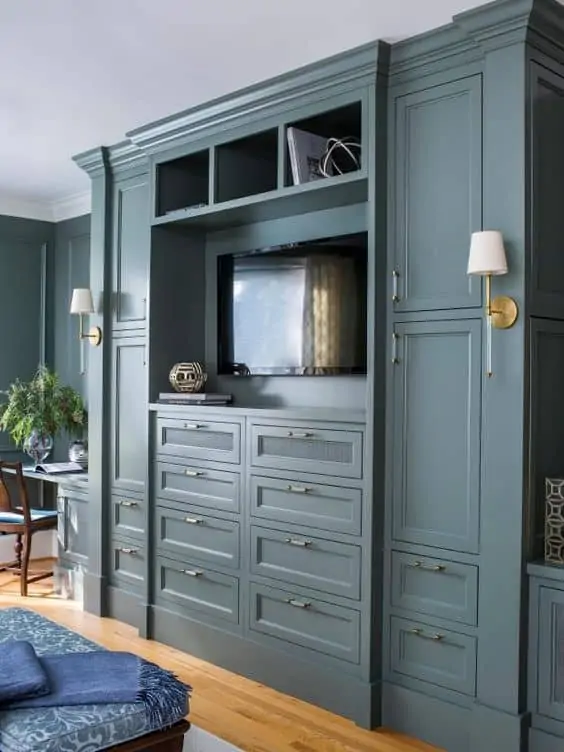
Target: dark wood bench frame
x=168, y=740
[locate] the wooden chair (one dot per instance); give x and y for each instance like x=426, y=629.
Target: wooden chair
x=22, y=521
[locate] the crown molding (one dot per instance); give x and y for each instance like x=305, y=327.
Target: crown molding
x=71, y=206
x=58, y=210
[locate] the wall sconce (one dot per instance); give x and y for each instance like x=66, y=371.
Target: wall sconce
x=487, y=258
x=82, y=304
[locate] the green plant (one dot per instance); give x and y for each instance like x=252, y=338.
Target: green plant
x=42, y=404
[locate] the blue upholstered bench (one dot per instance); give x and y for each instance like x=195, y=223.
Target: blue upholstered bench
x=84, y=728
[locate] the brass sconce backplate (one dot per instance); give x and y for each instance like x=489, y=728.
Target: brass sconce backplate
x=504, y=312
x=95, y=336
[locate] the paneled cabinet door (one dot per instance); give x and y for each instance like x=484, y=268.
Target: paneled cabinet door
x=437, y=173
x=129, y=420
x=436, y=434
x=72, y=534
x=131, y=252
x=550, y=669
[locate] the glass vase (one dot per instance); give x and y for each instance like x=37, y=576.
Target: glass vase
x=38, y=446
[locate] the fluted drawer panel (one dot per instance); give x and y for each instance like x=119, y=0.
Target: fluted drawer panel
x=197, y=588
x=127, y=562
x=435, y=586
x=197, y=536
x=309, y=504
x=128, y=514
x=437, y=656
x=210, y=440
x=311, y=623
x=307, y=449
x=305, y=560
x=194, y=485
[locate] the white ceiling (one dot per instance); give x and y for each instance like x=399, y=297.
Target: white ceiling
x=80, y=73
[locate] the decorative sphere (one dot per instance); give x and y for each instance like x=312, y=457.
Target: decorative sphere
x=187, y=377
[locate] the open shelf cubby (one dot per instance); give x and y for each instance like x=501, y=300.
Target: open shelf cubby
x=183, y=183
x=246, y=166
x=342, y=123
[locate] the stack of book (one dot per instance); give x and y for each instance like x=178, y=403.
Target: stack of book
x=193, y=398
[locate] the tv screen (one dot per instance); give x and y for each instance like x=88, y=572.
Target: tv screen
x=294, y=310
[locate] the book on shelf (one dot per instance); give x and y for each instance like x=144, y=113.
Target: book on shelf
x=58, y=468
x=306, y=150
x=189, y=398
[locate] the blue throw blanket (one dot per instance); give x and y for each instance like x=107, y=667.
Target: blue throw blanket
x=98, y=677
x=21, y=674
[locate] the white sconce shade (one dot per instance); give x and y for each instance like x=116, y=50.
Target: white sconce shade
x=487, y=253
x=81, y=301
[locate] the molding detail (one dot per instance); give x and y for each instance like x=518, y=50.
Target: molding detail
x=94, y=161
x=71, y=206
x=126, y=155
x=13, y=206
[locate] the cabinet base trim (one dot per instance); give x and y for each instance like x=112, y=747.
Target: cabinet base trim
x=95, y=589
x=540, y=741
x=332, y=690
x=125, y=606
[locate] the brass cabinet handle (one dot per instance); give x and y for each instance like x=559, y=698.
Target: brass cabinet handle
x=192, y=572
x=194, y=473
x=126, y=503
x=296, y=542
x=429, y=567
x=194, y=426
x=298, y=604
x=299, y=489
x=194, y=520
x=131, y=551
x=300, y=434
x=395, y=278
x=436, y=636
x=395, y=337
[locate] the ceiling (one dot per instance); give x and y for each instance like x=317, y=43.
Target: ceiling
x=83, y=72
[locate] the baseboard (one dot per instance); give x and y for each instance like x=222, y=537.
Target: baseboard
x=325, y=687
x=540, y=741
x=124, y=606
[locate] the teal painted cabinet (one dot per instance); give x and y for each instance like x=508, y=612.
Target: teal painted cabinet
x=436, y=164
x=436, y=433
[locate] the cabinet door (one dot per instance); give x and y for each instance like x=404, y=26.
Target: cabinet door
x=436, y=434
x=129, y=414
x=72, y=521
x=550, y=673
x=131, y=248
x=437, y=171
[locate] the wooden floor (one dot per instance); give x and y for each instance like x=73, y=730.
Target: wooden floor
x=244, y=713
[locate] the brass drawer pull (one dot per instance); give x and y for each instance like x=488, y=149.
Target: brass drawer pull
x=436, y=636
x=131, y=551
x=296, y=542
x=194, y=426
x=194, y=520
x=395, y=278
x=300, y=434
x=429, y=567
x=298, y=604
x=192, y=572
x=194, y=473
x=125, y=503
x=299, y=489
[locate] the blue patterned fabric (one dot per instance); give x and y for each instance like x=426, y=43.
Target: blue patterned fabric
x=35, y=514
x=83, y=728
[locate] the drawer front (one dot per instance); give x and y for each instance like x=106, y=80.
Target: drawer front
x=433, y=586
x=197, y=588
x=308, y=504
x=127, y=562
x=199, y=439
x=310, y=450
x=438, y=656
x=313, y=624
x=197, y=536
x=128, y=514
x=303, y=560
x=188, y=484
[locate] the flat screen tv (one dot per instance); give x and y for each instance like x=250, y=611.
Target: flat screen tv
x=294, y=310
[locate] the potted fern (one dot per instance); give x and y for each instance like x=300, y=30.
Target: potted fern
x=37, y=411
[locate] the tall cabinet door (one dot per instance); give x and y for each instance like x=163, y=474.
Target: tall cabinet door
x=436, y=434
x=129, y=418
x=131, y=253
x=437, y=169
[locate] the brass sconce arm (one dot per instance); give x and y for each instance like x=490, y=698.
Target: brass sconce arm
x=502, y=309
x=94, y=335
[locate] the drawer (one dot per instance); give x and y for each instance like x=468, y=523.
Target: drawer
x=304, y=560
x=313, y=624
x=307, y=504
x=197, y=588
x=127, y=563
x=128, y=514
x=199, y=439
x=438, y=656
x=434, y=586
x=304, y=449
x=189, y=484
x=197, y=536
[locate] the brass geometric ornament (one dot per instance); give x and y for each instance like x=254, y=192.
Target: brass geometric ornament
x=188, y=377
